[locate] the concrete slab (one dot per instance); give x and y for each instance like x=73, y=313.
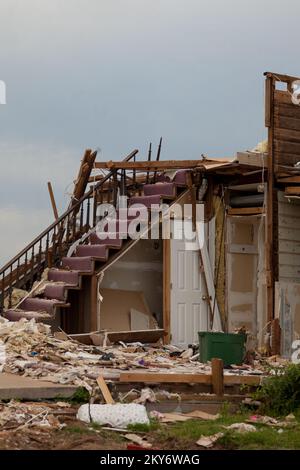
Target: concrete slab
x=15, y=386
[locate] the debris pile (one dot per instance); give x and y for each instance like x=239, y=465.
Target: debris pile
x=31, y=350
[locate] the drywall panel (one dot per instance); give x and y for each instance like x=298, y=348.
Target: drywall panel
x=140, y=269
x=116, y=307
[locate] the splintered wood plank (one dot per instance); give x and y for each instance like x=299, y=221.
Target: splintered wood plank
x=162, y=165
x=252, y=159
x=289, y=179
x=242, y=379
x=146, y=336
x=105, y=390
x=292, y=190
x=149, y=377
x=245, y=210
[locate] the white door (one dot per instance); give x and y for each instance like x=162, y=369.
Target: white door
x=189, y=309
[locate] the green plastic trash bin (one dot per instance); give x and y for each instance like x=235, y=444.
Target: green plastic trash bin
x=227, y=346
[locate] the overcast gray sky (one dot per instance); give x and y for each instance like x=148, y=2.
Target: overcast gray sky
x=115, y=74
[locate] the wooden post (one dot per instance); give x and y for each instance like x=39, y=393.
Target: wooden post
x=275, y=337
x=52, y=199
x=166, y=289
x=86, y=166
x=192, y=198
x=269, y=229
x=217, y=376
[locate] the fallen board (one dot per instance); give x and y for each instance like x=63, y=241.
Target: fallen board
x=128, y=336
x=145, y=336
x=105, y=390
x=187, y=378
x=25, y=388
x=164, y=378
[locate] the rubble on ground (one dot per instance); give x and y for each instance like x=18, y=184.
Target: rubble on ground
x=15, y=415
x=31, y=350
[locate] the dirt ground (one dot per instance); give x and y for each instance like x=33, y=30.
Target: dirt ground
x=53, y=426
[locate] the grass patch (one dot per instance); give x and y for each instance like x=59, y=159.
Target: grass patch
x=138, y=427
x=76, y=430
x=264, y=438
x=184, y=435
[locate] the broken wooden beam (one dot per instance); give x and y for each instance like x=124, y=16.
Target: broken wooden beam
x=149, y=377
x=245, y=210
x=52, y=199
x=292, y=190
x=86, y=166
x=143, y=336
x=105, y=390
x=256, y=159
x=289, y=179
x=159, y=165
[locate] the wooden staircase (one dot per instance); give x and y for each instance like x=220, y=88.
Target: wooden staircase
x=72, y=248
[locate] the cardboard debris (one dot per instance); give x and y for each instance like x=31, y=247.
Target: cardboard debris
x=138, y=440
x=174, y=417
x=197, y=414
x=209, y=441
x=203, y=415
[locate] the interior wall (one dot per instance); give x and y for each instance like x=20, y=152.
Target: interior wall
x=287, y=309
x=140, y=269
x=242, y=256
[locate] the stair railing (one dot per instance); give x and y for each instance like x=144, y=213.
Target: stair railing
x=52, y=244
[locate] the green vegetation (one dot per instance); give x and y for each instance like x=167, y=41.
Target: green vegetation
x=80, y=396
x=280, y=394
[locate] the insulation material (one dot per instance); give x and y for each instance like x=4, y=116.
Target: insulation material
x=2, y=355
x=219, y=212
x=261, y=147
x=116, y=307
x=16, y=297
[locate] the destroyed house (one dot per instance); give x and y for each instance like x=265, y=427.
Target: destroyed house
x=215, y=245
